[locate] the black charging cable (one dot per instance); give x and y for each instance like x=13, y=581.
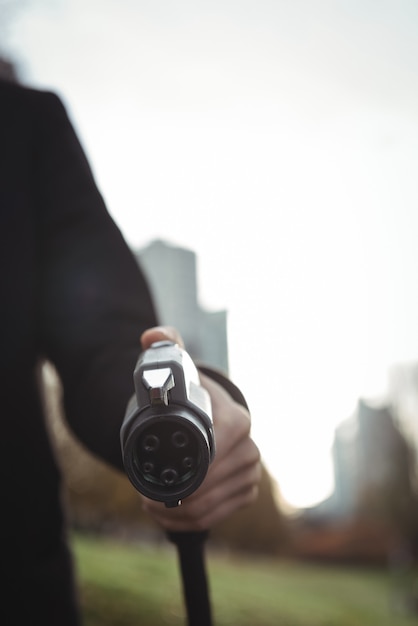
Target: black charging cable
x=196, y=593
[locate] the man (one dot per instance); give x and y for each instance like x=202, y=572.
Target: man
x=72, y=293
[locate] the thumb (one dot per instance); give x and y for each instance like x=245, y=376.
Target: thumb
x=160, y=333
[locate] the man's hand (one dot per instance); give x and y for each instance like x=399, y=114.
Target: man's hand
x=232, y=479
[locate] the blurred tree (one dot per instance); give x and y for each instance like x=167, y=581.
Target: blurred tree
x=261, y=527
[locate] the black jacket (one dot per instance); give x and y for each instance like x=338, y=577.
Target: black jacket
x=70, y=292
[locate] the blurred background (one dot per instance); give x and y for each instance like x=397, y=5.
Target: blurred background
x=268, y=151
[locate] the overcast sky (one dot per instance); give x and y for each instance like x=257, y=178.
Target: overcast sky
x=279, y=141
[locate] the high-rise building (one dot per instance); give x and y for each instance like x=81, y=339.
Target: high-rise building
x=403, y=390
x=371, y=464
x=172, y=275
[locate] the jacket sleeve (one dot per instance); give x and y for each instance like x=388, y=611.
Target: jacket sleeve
x=93, y=301
x=222, y=380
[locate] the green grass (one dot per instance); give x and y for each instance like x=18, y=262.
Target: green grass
x=132, y=584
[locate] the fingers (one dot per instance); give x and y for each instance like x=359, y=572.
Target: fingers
x=232, y=466
x=201, y=514
x=223, y=493
x=160, y=333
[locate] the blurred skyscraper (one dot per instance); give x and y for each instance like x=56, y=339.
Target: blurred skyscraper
x=172, y=276
x=403, y=390
x=373, y=467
